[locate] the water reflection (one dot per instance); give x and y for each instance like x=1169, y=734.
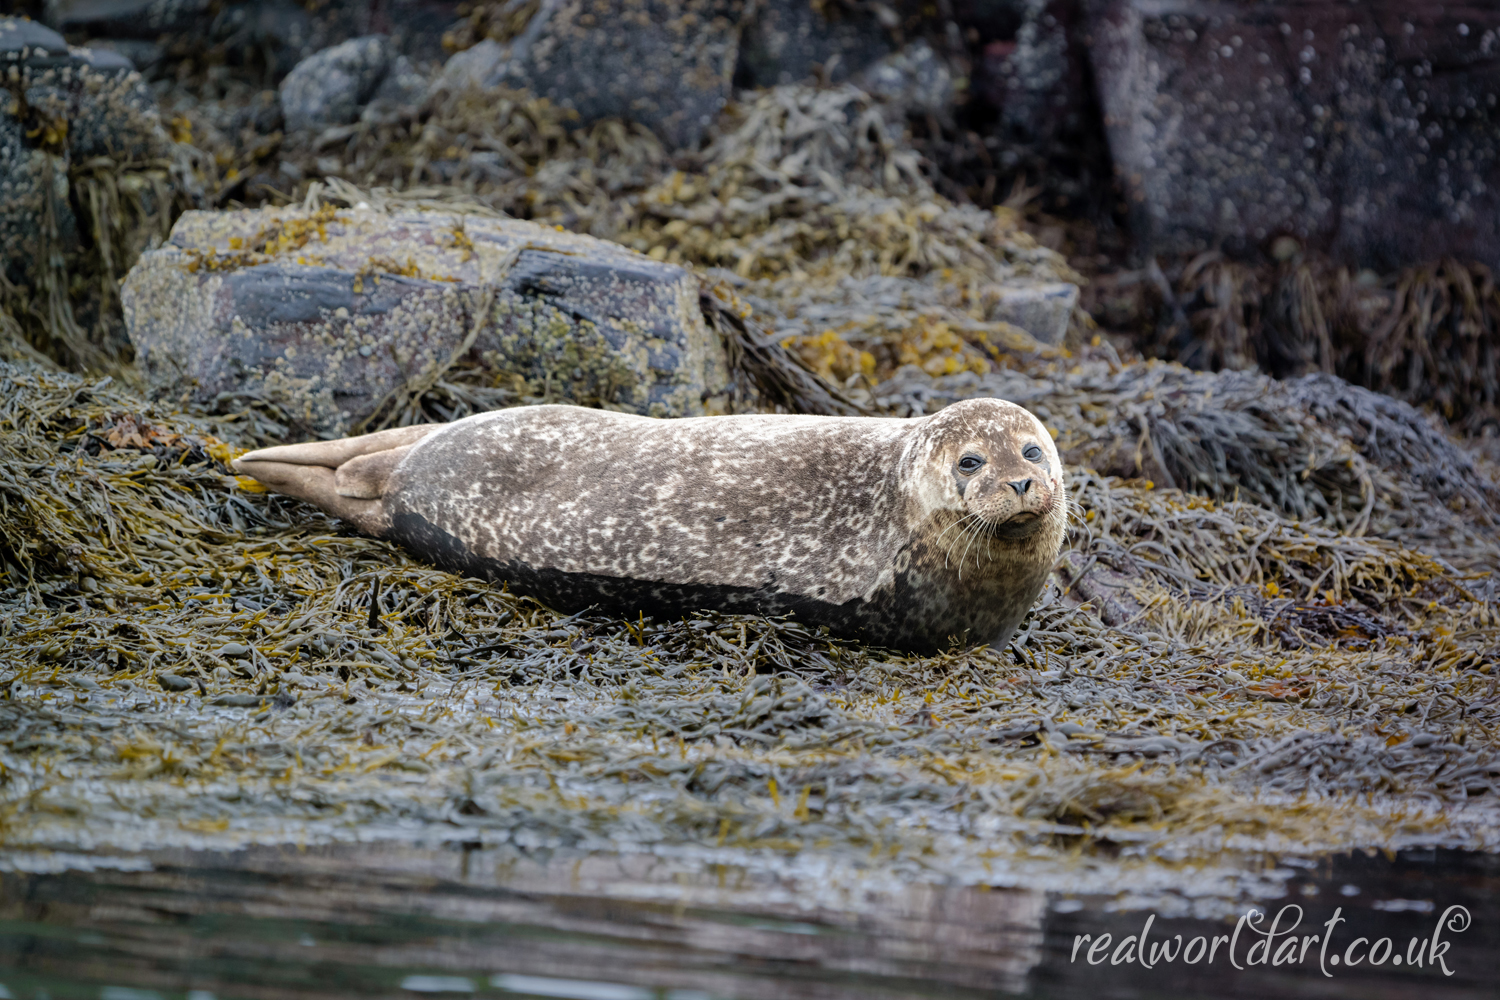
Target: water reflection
x=391, y=921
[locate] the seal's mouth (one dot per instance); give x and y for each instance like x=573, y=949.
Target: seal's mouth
x=1021, y=524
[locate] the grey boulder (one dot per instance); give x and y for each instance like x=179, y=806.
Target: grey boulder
x=329, y=317
x=339, y=85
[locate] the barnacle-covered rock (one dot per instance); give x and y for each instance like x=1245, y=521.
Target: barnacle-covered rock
x=1364, y=130
x=338, y=319
x=75, y=102
x=33, y=55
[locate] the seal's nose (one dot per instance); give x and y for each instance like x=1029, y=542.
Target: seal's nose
x=1020, y=486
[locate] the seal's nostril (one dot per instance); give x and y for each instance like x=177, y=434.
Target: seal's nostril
x=1020, y=486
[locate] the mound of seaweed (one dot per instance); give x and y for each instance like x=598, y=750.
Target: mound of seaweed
x=186, y=660
x=794, y=180
x=1428, y=334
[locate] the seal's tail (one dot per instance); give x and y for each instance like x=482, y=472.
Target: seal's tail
x=346, y=477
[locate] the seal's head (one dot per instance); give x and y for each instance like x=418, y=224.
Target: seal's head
x=994, y=465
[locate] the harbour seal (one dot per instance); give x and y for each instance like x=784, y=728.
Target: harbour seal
x=909, y=533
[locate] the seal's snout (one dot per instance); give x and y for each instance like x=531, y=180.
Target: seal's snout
x=1017, y=509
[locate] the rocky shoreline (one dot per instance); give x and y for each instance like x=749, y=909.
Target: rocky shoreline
x=1274, y=631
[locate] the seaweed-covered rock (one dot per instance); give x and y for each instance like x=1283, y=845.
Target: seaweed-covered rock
x=341, y=319
x=663, y=63
x=1366, y=130
x=82, y=150
x=334, y=86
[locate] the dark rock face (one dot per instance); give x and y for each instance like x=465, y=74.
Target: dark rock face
x=127, y=18
x=663, y=63
x=789, y=41
x=328, y=315
x=1034, y=75
x=1368, y=131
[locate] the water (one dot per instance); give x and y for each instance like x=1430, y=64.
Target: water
x=456, y=921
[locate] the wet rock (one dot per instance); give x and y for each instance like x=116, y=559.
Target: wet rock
x=663, y=63
x=21, y=38
x=1367, y=131
x=791, y=41
x=334, y=86
x=330, y=316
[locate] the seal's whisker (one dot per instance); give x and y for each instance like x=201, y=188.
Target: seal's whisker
x=972, y=534
x=948, y=552
x=962, y=524
x=939, y=542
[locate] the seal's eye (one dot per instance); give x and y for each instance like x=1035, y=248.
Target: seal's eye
x=970, y=464
x=1031, y=453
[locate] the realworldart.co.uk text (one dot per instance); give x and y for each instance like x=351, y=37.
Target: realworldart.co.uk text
x=1255, y=943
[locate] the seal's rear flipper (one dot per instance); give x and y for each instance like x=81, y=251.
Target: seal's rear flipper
x=345, y=477
x=365, y=477
x=332, y=454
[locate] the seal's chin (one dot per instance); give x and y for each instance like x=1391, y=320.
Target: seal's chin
x=1021, y=524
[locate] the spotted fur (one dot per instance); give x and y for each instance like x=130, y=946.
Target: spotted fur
x=876, y=528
